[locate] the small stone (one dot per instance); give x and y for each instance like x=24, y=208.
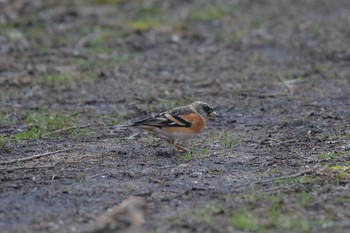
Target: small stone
x=196, y=174
x=130, y=174
x=175, y=38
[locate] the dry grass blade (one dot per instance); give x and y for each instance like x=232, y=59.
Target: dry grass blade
x=68, y=128
x=127, y=217
x=29, y=168
x=33, y=157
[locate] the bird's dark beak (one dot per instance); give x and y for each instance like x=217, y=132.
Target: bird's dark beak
x=213, y=114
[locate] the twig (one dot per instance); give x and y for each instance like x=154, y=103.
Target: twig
x=69, y=128
x=278, y=178
x=287, y=177
x=97, y=175
x=59, y=131
x=270, y=139
x=128, y=216
x=289, y=89
x=85, y=39
x=20, y=168
x=132, y=136
x=263, y=96
x=278, y=188
x=33, y=157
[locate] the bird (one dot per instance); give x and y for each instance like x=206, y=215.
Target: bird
x=178, y=124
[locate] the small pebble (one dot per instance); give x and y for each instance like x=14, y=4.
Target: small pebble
x=196, y=174
x=175, y=38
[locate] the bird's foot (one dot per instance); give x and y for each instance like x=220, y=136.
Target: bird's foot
x=180, y=149
x=177, y=147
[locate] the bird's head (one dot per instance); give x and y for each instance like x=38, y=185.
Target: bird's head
x=204, y=109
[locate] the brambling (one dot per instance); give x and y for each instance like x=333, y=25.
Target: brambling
x=178, y=124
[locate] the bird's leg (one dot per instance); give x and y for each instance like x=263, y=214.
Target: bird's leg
x=177, y=146
x=180, y=148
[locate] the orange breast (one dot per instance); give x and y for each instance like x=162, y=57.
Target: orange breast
x=197, y=126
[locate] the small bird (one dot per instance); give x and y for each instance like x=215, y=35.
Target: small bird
x=178, y=124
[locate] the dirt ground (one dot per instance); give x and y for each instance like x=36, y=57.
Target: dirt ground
x=277, y=71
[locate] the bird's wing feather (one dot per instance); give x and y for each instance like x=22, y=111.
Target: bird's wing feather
x=163, y=120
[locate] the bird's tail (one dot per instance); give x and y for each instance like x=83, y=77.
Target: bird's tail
x=145, y=123
x=123, y=126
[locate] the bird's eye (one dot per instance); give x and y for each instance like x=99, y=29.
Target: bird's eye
x=208, y=109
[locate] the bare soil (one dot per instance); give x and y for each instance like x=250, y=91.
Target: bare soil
x=277, y=71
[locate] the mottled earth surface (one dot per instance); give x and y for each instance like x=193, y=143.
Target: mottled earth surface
x=277, y=71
